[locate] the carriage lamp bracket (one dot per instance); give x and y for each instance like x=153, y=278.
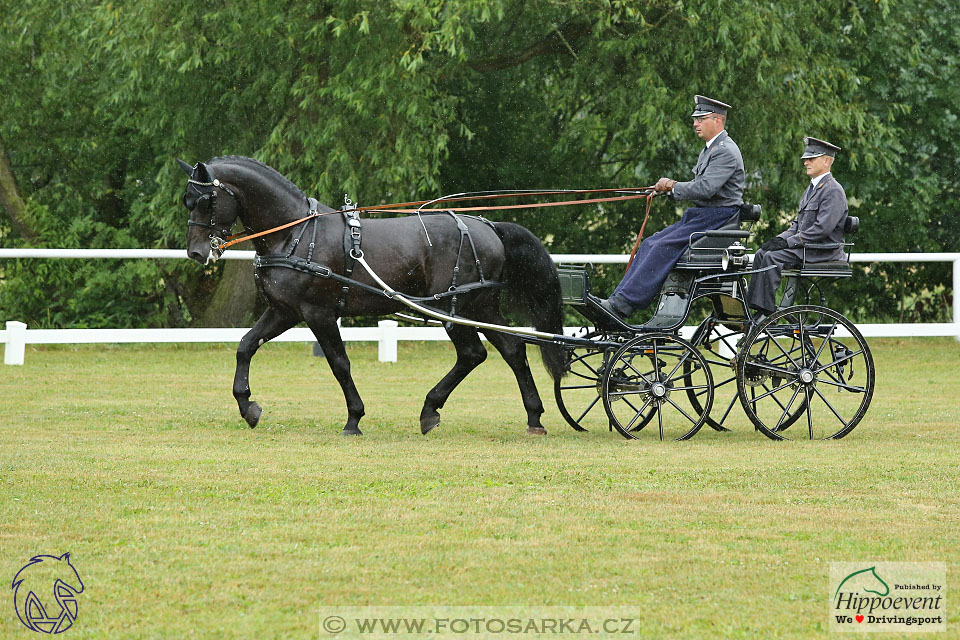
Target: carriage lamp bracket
x=735, y=257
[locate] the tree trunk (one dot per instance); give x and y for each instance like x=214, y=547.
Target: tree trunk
x=234, y=301
x=10, y=200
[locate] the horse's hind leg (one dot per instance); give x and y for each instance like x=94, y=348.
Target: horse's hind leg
x=328, y=335
x=271, y=324
x=470, y=353
x=514, y=352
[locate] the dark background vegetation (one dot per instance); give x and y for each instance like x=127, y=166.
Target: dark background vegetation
x=406, y=99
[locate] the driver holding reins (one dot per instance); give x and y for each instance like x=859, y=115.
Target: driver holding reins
x=717, y=193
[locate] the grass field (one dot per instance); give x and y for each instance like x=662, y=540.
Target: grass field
x=182, y=522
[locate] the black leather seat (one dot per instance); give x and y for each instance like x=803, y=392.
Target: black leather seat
x=706, y=251
x=830, y=268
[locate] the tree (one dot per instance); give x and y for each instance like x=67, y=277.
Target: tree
x=390, y=101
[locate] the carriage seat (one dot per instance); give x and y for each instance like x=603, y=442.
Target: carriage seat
x=705, y=250
x=830, y=268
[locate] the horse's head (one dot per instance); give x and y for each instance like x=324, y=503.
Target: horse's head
x=210, y=216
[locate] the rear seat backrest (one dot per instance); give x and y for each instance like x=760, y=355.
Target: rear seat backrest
x=851, y=225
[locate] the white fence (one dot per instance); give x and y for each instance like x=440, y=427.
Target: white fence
x=16, y=335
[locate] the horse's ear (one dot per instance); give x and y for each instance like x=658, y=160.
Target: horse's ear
x=66, y=557
x=187, y=169
x=204, y=172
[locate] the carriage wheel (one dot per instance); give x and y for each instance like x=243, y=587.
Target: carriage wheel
x=759, y=388
x=578, y=393
x=718, y=348
x=646, y=382
x=758, y=385
x=807, y=361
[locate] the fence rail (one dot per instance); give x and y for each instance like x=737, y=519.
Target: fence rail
x=16, y=335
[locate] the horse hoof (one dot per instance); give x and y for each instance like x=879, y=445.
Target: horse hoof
x=428, y=424
x=536, y=431
x=355, y=431
x=252, y=415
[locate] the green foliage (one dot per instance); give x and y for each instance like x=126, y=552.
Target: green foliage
x=394, y=100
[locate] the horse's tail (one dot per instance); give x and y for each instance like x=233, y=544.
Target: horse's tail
x=533, y=289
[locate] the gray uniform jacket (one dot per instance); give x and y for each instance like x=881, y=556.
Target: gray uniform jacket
x=718, y=176
x=820, y=218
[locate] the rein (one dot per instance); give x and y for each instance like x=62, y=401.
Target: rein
x=535, y=205
x=636, y=245
x=490, y=195
x=238, y=238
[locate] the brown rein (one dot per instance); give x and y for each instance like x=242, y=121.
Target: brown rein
x=636, y=245
x=238, y=238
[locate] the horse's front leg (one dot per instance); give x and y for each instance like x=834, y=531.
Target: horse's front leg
x=271, y=324
x=328, y=336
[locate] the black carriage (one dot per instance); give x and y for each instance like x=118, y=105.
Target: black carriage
x=804, y=372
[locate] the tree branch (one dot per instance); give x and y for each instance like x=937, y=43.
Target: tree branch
x=559, y=40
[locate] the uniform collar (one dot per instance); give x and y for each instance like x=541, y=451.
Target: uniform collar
x=816, y=181
x=714, y=138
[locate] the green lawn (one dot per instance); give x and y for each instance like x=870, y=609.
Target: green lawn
x=182, y=522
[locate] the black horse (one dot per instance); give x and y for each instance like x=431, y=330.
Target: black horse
x=298, y=287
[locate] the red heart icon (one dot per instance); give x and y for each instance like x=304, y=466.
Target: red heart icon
x=859, y=618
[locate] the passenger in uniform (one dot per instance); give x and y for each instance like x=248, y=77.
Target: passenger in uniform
x=717, y=193
x=820, y=219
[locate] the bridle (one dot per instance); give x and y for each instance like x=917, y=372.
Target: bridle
x=207, y=203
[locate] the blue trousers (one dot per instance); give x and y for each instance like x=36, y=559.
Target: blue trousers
x=660, y=252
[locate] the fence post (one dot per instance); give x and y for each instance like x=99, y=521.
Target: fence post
x=956, y=300
x=16, y=339
x=387, y=351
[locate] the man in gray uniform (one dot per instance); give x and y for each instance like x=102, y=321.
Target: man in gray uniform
x=820, y=219
x=717, y=193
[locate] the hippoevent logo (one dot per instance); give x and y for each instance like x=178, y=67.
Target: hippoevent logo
x=888, y=596
x=45, y=593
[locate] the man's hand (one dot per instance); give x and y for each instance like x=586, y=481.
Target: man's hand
x=664, y=184
x=774, y=244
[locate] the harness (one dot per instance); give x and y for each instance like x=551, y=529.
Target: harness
x=352, y=252
x=351, y=248
x=207, y=202
x=464, y=233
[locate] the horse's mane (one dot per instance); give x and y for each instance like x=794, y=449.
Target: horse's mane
x=244, y=160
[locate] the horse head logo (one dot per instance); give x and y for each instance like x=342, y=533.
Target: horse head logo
x=865, y=580
x=44, y=585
